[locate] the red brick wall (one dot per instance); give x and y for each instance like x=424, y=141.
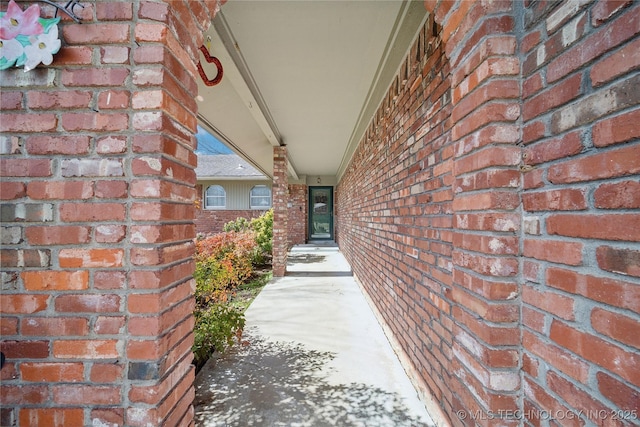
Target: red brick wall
x=581, y=256
x=298, y=197
x=97, y=213
x=213, y=220
x=394, y=214
x=495, y=230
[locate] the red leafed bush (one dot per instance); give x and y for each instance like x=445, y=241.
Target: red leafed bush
x=223, y=262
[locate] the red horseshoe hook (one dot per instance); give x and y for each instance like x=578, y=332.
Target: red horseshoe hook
x=210, y=59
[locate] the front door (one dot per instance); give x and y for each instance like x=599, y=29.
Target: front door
x=321, y=213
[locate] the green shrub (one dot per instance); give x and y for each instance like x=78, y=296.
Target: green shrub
x=215, y=328
x=262, y=227
x=223, y=262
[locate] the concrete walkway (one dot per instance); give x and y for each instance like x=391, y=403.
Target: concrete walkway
x=313, y=354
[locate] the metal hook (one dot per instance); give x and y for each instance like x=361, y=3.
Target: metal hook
x=210, y=59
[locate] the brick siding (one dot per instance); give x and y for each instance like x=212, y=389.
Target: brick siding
x=496, y=230
x=298, y=221
x=97, y=191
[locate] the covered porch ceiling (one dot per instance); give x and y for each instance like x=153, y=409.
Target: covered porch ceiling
x=307, y=74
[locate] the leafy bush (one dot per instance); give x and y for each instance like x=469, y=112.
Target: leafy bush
x=215, y=328
x=262, y=228
x=223, y=262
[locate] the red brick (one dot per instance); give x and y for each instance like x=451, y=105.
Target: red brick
x=95, y=122
x=114, y=11
x=109, y=280
x=90, y=258
x=89, y=33
x=111, y=325
x=12, y=190
x=113, y=100
x=499, y=245
x=148, y=32
x=87, y=303
x=108, y=416
x=532, y=85
x=22, y=304
x=579, y=398
x=95, y=77
x=154, y=11
x=25, y=349
x=595, y=45
x=623, y=396
x=74, y=55
x=11, y=100
x=568, y=145
x=617, y=326
x=8, y=326
x=533, y=131
x=55, y=326
x=624, y=227
x=111, y=189
x=556, y=356
x=620, y=195
x=52, y=372
x=622, y=61
x=614, y=130
x=489, y=200
x=612, y=292
x=552, y=97
x=555, y=200
x=54, y=417
x=92, y=212
x=32, y=122
x=61, y=190
x=85, y=349
x=561, y=252
x=109, y=233
x=492, y=266
x=598, y=351
x=106, y=373
x=25, y=167
x=55, y=280
x=57, y=235
x=605, y=9
x=608, y=164
x=623, y=261
x=533, y=319
x=486, y=114
x=68, y=144
x=58, y=99
x=86, y=395
x=554, y=303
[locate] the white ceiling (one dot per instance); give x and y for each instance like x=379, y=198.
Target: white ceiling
x=308, y=74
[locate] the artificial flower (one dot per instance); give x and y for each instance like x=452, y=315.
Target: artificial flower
x=11, y=49
x=42, y=49
x=16, y=22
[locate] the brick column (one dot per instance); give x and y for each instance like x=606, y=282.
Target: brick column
x=280, y=211
x=97, y=211
x=481, y=47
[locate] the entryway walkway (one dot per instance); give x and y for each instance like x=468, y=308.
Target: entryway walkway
x=313, y=354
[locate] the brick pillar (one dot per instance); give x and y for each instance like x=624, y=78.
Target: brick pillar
x=280, y=211
x=97, y=211
x=482, y=50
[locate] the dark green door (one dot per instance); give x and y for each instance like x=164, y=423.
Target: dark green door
x=321, y=213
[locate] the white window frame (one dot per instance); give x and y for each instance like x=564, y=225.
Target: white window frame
x=207, y=197
x=261, y=197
